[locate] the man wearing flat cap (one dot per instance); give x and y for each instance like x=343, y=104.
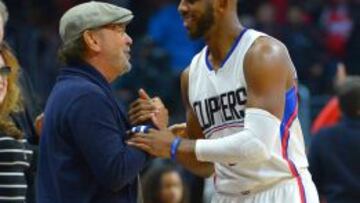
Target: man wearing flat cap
x=83, y=154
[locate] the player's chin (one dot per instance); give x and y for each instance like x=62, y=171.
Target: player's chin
x=193, y=34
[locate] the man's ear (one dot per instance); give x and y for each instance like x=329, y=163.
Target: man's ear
x=221, y=5
x=91, y=40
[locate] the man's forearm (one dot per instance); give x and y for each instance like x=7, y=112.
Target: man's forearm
x=186, y=156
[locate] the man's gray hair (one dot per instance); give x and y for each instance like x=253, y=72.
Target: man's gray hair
x=72, y=51
x=4, y=12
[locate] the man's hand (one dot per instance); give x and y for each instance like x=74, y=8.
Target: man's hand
x=146, y=109
x=38, y=124
x=341, y=74
x=179, y=129
x=156, y=142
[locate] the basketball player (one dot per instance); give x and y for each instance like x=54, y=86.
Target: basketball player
x=240, y=94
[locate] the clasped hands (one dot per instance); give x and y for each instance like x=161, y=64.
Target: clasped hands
x=157, y=141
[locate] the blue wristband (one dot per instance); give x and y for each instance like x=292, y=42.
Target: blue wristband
x=174, y=146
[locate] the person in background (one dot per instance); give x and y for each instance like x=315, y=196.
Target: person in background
x=16, y=156
x=166, y=30
x=24, y=118
x=334, y=153
x=337, y=22
x=163, y=184
x=331, y=113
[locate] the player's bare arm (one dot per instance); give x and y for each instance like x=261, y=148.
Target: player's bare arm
x=268, y=75
x=194, y=131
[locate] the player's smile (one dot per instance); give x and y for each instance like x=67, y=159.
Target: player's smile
x=188, y=20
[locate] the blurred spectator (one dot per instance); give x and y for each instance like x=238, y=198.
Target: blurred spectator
x=334, y=155
x=352, y=58
x=16, y=157
x=4, y=16
x=337, y=24
x=23, y=118
x=281, y=7
x=163, y=183
x=31, y=32
x=300, y=40
x=167, y=31
x=330, y=114
x=266, y=20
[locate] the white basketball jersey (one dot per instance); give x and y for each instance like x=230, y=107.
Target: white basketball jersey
x=219, y=98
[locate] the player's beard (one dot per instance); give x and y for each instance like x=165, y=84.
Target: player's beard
x=203, y=24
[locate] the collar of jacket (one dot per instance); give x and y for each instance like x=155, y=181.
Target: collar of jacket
x=86, y=70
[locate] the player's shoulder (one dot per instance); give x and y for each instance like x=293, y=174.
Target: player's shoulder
x=269, y=53
x=267, y=56
x=267, y=45
x=185, y=76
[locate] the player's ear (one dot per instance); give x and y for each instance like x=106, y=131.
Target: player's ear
x=221, y=5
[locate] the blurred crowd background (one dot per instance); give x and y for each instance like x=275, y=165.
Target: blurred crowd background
x=319, y=34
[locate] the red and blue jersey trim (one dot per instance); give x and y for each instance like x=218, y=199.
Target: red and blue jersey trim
x=290, y=114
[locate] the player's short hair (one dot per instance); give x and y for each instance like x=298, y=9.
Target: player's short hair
x=4, y=12
x=73, y=51
x=349, y=97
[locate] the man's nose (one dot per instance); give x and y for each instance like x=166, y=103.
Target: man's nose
x=129, y=40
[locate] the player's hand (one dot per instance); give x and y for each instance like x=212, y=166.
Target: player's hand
x=179, y=129
x=146, y=109
x=155, y=142
x=39, y=123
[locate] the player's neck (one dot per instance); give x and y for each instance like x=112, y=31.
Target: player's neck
x=220, y=40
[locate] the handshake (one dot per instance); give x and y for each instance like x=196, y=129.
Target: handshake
x=151, y=133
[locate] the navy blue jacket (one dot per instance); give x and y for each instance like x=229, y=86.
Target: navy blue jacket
x=335, y=162
x=83, y=155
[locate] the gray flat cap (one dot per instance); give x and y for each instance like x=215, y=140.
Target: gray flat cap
x=90, y=15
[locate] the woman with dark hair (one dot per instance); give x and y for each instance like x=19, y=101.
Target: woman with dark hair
x=163, y=184
x=15, y=155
